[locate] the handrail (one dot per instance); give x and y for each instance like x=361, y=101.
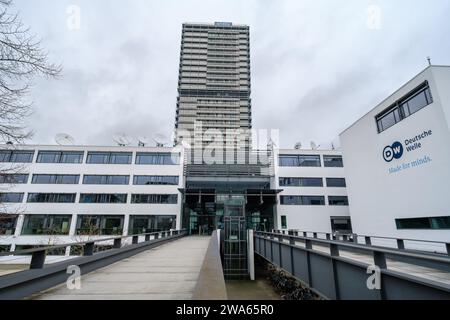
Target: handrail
x=39, y=254
x=368, y=239
x=353, y=245
x=325, y=272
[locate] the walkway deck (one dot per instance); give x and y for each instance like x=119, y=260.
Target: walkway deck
x=168, y=272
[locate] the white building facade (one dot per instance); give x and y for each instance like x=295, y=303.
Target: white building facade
x=313, y=194
x=397, y=162
x=57, y=194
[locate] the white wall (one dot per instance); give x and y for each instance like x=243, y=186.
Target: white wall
x=378, y=197
x=309, y=218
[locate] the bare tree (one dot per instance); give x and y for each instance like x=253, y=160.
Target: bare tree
x=21, y=60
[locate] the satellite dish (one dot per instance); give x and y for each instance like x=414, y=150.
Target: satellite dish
x=122, y=139
x=313, y=145
x=64, y=139
x=143, y=141
x=298, y=146
x=161, y=140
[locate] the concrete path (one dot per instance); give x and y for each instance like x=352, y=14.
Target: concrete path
x=168, y=272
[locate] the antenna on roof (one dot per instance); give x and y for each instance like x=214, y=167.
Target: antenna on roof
x=314, y=145
x=64, y=139
x=429, y=60
x=298, y=146
x=122, y=139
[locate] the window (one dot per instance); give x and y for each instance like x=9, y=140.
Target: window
x=299, y=161
x=55, y=179
x=7, y=225
x=336, y=183
x=104, y=198
x=283, y=222
x=156, y=180
x=303, y=200
x=60, y=157
x=16, y=156
x=51, y=197
x=153, y=223
x=158, y=158
x=99, y=225
x=109, y=157
x=155, y=198
x=333, y=161
x=46, y=225
x=13, y=178
x=114, y=180
x=337, y=201
x=415, y=100
x=433, y=223
x=11, y=197
x=301, y=182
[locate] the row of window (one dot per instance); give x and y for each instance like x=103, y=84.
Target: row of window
x=87, y=224
x=73, y=157
x=89, y=198
x=88, y=179
x=415, y=100
x=310, y=161
x=312, y=182
x=313, y=200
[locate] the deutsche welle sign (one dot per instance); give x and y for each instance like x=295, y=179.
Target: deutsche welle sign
x=397, y=150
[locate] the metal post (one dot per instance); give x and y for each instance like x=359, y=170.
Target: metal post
x=447, y=246
x=328, y=236
x=379, y=258
x=117, y=243
x=88, y=249
x=355, y=238
x=305, y=234
x=156, y=236
x=308, y=244
x=345, y=237
x=296, y=233
x=315, y=235
x=400, y=244
x=38, y=259
x=135, y=239
x=147, y=238
x=334, y=250
x=368, y=241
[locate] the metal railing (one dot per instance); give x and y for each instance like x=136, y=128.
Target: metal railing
x=39, y=254
x=341, y=270
x=369, y=240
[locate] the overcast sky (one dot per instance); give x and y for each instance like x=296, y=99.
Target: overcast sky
x=317, y=66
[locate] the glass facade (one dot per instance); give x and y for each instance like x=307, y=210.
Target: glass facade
x=55, y=179
x=60, y=157
x=99, y=225
x=51, y=197
x=109, y=157
x=111, y=180
x=151, y=223
x=157, y=159
x=16, y=156
x=299, y=161
x=46, y=225
x=13, y=178
x=103, y=198
x=301, y=182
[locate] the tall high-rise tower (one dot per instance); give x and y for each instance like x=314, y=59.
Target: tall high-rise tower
x=214, y=84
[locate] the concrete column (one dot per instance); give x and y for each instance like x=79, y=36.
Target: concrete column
x=251, y=254
x=19, y=225
x=126, y=223
x=73, y=225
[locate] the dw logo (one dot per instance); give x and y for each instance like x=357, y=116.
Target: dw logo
x=393, y=152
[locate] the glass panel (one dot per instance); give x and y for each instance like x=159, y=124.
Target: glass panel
x=388, y=121
x=333, y=161
x=5, y=155
x=48, y=157
x=72, y=157
x=120, y=158
x=338, y=201
x=288, y=161
x=13, y=178
x=417, y=223
x=440, y=223
x=22, y=156
x=157, y=159
x=309, y=161
x=98, y=157
x=417, y=103
x=336, y=183
x=11, y=197
x=313, y=200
